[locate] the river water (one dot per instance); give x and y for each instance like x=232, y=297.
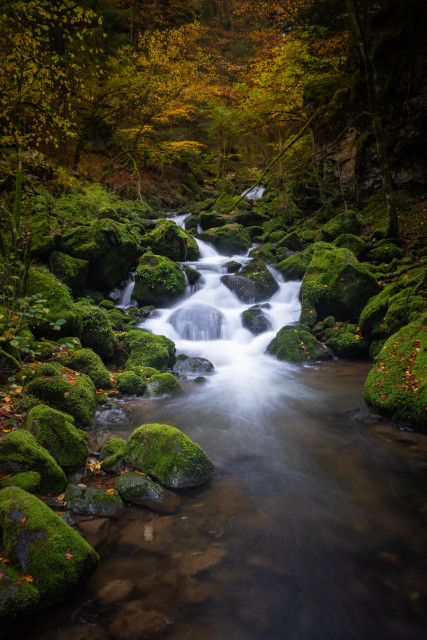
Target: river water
x=314, y=524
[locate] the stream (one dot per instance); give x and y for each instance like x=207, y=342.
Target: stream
x=314, y=524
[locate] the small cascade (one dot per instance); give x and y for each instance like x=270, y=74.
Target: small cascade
x=254, y=194
x=124, y=297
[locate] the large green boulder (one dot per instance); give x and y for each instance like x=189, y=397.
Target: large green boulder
x=88, y=362
x=148, y=350
x=56, y=432
x=169, y=240
x=294, y=343
x=397, y=384
x=168, y=455
x=64, y=390
x=335, y=284
x=130, y=382
x=158, y=281
x=97, y=332
x=71, y=271
x=253, y=283
x=110, y=247
x=352, y=242
x=345, y=222
x=228, y=239
x=58, y=303
x=162, y=383
x=20, y=451
x=346, y=341
x=294, y=267
x=40, y=545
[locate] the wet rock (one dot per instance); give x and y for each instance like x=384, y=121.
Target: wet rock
x=251, y=285
x=91, y=502
x=232, y=266
x=135, y=621
x=169, y=240
x=186, y=365
x=94, y=531
x=295, y=343
x=115, y=591
x=255, y=320
x=195, y=563
x=140, y=489
x=193, y=276
x=197, y=322
x=160, y=384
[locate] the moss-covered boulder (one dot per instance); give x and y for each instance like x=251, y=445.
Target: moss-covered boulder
x=346, y=341
x=85, y=501
x=253, y=283
x=397, y=384
x=169, y=456
x=345, y=222
x=59, y=305
x=336, y=284
x=294, y=343
x=56, y=432
x=148, y=350
x=112, y=454
x=385, y=251
x=71, y=271
x=291, y=241
x=63, y=389
x=351, y=242
x=162, y=383
x=229, y=239
x=26, y=480
x=294, y=267
x=117, y=319
x=97, y=332
x=140, y=489
x=255, y=320
x=169, y=240
x=39, y=544
x=20, y=451
x=88, y=362
x=374, y=312
x=130, y=382
x=158, y=281
x=110, y=247
x=18, y=598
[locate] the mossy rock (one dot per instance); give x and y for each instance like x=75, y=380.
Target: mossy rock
x=169, y=456
x=250, y=218
x=88, y=362
x=232, y=266
x=20, y=451
x=193, y=276
x=192, y=365
x=59, y=303
x=113, y=444
x=345, y=341
x=63, y=389
x=18, y=598
x=346, y=222
x=130, y=382
x=374, y=311
x=265, y=252
x=253, y=283
x=144, y=372
x=256, y=321
x=110, y=247
x=40, y=544
x=108, y=305
x=117, y=319
x=97, y=332
x=385, y=252
x=140, y=489
x=158, y=280
x=229, y=239
x=84, y=501
x=55, y=431
x=191, y=223
x=294, y=267
x=336, y=284
x=71, y=271
x=148, y=350
x=169, y=240
x=213, y=219
x=44, y=349
x=162, y=383
x=397, y=384
x=291, y=241
x=26, y=480
x=294, y=343
x=351, y=242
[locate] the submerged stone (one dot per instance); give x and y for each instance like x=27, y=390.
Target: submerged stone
x=140, y=489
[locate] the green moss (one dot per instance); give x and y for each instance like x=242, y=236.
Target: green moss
x=169, y=240
x=17, y=598
x=130, y=382
x=291, y=241
x=161, y=383
x=294, y=267
x=88, y=362
x=26, y=480
x=71, y=271
x=113, y=445
x=374, y=311
x=117, y=319
x=229, y=239
x=168, y=455
x=295, y=343
x=257, y=272
x=143, y=372
x=345, y=222
x=58, y=302
x=97, y=332
x=63, y=389
x=56, y=432
x=158, y=281
x=20, y=451
x=85, y=501
x=148, y=350
x=385, y=252
x=44, y=349
x=349, y=241
x=108, y=305
x=346, y=341
x=264, y=252
x=40, y=544
x=397, y=384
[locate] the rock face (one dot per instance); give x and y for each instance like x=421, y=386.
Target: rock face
x=168, y=455
x=253, y=283
x=158, y=281
x=296, y=344
x=197, y=322
x=335, y=284
x=396, y=385
x=39, y=544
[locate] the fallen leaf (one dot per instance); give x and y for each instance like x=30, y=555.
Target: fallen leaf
x=69, y=555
